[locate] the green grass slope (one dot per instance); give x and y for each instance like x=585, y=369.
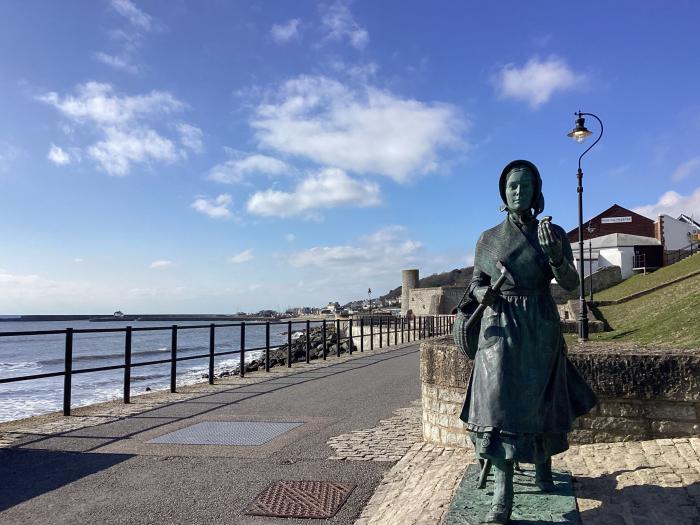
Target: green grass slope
x=669, y=317
x=640, y=282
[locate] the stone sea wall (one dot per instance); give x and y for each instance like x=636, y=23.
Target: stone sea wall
x=643, y=393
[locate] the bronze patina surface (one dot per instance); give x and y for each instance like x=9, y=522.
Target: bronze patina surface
x=523, y=393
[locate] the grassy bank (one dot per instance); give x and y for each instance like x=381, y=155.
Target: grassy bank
x=640, y=282
x=668, y=317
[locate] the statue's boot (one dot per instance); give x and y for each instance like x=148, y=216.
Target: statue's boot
x=543, y=476
x=502, y=502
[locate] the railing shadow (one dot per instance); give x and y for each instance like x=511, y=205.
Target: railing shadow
x=26, y=474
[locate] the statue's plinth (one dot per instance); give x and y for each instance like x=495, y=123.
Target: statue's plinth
x=530, y=505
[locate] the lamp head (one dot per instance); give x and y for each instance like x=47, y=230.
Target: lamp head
x=580, y=132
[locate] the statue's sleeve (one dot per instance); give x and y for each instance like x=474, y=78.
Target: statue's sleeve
x=565, y=273
x=479, y=277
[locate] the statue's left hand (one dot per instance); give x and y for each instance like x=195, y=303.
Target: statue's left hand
x=550, y=242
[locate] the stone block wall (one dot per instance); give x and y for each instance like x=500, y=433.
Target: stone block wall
x=603, y=278
x=643, y=394
x=439, y=300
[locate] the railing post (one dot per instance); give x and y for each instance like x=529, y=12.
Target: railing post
x=127, y=366
x=402, y=328
x=241, y=367
x=371, y=333
x=267, y=346
x=325, y=344
x=337, y=337
x=380, y=332
x=68, y=371
x=420, y=327
x=362, y=334
x=173, y=358
x=308, y=341
x=212, y=348
x=396, y=332
x=289, y=344
x=351, y=339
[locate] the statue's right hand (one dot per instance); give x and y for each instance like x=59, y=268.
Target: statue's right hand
x=485, y=295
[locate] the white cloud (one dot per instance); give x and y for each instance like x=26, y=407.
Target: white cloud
x=365, y=130
x=58, y=156
x=686, y=169
x=21, y=293
x=217, y=208
x=282, y=33
x=125, y=125
x=242, y=257
x=96, y=102
x=235, y=170
x=121, y=148
x=328, y=189
x=78, y=260
x=161, y=264
x=118, y=62
x=289, y=237
x=673, y=204
x=190, y=137
x=384, y=251
x=338, y=24
x=133, y=14
x=537, y=80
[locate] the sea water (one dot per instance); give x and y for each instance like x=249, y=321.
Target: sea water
x=38, y=354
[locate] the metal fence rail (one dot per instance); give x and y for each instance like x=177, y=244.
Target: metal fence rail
x=415, y=328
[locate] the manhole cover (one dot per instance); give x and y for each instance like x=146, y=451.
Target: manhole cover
x=227, y=433
x=301, y=499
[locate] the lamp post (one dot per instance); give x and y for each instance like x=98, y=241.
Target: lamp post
x=369, y=294
x=590, y=230
x=579, y=134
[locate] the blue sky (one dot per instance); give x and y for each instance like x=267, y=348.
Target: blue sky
x=222, y=156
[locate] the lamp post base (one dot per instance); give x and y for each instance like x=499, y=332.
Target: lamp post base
x=583, y=329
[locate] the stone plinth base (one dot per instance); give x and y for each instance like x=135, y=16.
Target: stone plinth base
x=530, y=505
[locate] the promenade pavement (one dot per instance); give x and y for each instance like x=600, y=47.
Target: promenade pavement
x=113, y=476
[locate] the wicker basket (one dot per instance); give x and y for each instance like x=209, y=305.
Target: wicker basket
x=467, y=339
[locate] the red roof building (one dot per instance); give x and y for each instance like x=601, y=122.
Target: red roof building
x=615, y=219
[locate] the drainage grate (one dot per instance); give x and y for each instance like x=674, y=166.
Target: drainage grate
x=301, y=499
x=226, y=433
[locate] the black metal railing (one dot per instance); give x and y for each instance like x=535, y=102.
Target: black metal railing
x=674, y=256
x=415, y=328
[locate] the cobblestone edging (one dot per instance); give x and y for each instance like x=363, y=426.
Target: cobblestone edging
x=92, y=415
x=389, y=441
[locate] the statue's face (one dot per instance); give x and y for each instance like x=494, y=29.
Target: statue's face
x=520, y=189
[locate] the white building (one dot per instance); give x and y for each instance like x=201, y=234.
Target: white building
x=677, y=234
x=614, y=249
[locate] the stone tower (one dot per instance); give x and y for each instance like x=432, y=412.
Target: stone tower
x=409, y=281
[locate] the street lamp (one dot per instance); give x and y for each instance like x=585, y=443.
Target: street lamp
x=579, y=134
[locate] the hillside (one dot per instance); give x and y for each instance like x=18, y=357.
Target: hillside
x=668, y=317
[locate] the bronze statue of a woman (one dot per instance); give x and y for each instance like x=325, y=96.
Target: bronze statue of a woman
x=524, y=393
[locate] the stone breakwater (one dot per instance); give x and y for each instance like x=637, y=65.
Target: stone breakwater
x=279, y=355
x=643, y=393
